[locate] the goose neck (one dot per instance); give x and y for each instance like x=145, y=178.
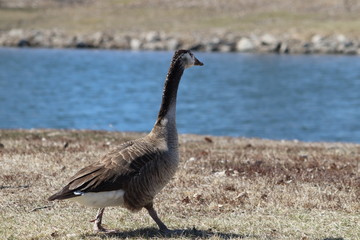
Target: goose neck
x=168, y=104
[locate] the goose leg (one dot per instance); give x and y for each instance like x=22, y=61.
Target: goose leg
x=97, y=222
x=154, y=216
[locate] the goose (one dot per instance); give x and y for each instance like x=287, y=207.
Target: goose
x=132, y=174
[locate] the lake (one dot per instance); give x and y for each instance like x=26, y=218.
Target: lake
x=304, y=97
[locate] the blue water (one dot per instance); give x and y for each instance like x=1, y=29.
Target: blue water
x=304, y=97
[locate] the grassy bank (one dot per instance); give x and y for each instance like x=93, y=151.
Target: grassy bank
x=224, y=188
x=291, y=17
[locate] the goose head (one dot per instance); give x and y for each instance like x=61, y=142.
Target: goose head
x=186, y=58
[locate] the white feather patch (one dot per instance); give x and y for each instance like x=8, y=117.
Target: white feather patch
x=78, y=193
x=189, y=60
x=164, y=121
x=100, y=199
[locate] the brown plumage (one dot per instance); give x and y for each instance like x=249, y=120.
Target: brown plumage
x=131, y=175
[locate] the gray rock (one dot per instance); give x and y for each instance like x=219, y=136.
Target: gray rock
x=39, y=38
x=349, y=44
x=255, y=39
x=244, y=45
x=152, y=36
x=326, y=46
x=211, y=47
x=82, y=45
x=120, y=42
x=153, y=46
x=216, y=41
x=196, y=47
x=172, y=44
x=107, y=41
x=268, y=39
x=135, y=44
x=226, y=47
x=96, y=38
x=316, y=39
x=70, y=41
x=16, y=33
x=340, y=38
x=308, y=48
x=23, y=43
x=283, y=48
x=351, y=51
x=59, y=42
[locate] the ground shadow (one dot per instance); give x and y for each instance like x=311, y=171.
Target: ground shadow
x=154, y=233
x=332, y=238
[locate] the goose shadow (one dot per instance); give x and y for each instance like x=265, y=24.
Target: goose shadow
x=176, y=233
x=334, y=238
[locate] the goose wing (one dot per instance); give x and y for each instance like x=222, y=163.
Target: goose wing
x=113, y=172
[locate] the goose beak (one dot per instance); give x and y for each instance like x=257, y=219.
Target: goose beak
x=197, y=62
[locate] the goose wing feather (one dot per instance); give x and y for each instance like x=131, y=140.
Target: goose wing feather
x=113, y=172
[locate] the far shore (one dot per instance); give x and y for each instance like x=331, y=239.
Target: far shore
x=284, y=27
x=155, y=40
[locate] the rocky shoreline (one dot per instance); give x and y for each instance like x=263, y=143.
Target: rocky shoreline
x=153, y=40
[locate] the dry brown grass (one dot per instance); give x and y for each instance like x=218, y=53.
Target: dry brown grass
x=224, y=188
x=303, y=17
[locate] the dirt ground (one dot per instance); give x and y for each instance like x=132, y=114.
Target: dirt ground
x=224, y=188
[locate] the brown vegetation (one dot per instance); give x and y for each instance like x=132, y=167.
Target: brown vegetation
x=224, y=188
x=280, y=17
